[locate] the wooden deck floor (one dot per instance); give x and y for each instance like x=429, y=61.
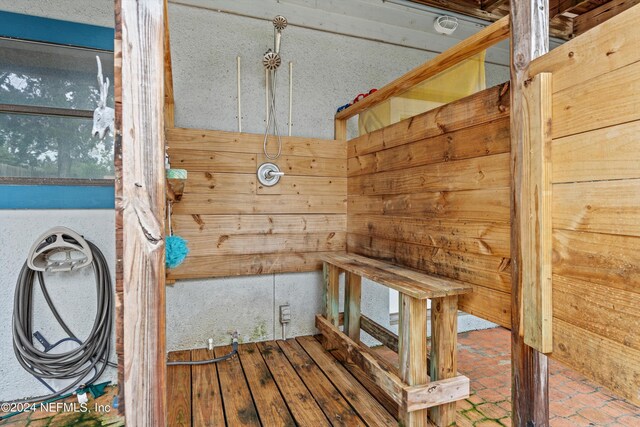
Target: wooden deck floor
x=274, y=383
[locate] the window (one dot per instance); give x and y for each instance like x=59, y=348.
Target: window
x=48, y=91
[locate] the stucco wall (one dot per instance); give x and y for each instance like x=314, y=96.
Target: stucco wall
x=329, y=70
x=74, y=294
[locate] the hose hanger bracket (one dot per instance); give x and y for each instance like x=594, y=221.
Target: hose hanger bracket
x=59, y=249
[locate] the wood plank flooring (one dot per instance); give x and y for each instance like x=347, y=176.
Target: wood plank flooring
x=274, y=383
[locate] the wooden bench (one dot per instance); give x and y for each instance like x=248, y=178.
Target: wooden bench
x=422, y=381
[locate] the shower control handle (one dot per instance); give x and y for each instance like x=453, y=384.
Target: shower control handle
x=271, y=174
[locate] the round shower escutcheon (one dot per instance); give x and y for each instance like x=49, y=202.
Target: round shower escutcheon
x=269, y=174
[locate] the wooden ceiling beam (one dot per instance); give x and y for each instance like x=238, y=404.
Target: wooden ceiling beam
x=560, y=27
x=597, y=16
x=463, y=7
x=576, y=7
x=491, y=5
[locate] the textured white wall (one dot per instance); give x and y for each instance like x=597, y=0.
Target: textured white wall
x=329, y=70
x=74, y=294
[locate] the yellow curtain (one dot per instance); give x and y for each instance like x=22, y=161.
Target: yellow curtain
x=463, y=79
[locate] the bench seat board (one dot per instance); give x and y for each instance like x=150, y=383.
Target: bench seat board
x=406, y=281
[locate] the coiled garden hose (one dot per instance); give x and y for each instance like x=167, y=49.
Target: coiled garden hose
x=92, y=354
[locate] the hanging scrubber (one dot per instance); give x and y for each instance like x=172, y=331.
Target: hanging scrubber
x=176, y=249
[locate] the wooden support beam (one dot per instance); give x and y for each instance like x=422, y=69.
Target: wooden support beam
x=530, y=375
x=356, y=354
x=352, y=297
x=444, y=352
x=140, y=199
x=117, y=164
x=491, y=5
x=331, y=275
x=536, y=225
x=600, y=14
x=493, y=10
x=465, y=7
x=571, y=8
x=340, y=129
x=169, y=103
x=412, y=349
x=379, y=332
x=483, y=39
x=436, y=395
x=414, y=399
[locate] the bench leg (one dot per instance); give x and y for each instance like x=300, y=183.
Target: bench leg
x=412, y=349
x=352, y=290
x=444, y=359
x=331, y=293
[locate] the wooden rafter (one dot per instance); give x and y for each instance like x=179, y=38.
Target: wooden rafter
x=493, y=10
x=491, y=5
x=600, y=14
x=567, y=18
x=574, y=7
x=469, y=47
x=470, y=8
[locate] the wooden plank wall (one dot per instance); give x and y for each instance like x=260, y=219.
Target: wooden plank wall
x=596, y=202
x=432, y=193
x=234, y=225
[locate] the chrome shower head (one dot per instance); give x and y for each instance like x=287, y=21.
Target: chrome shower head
x=280, y=22
x=271, y=60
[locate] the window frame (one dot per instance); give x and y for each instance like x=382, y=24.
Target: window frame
x=55, y=193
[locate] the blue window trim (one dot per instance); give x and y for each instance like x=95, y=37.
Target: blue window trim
x=56, y=197
x=34, y=28
x=54, y=31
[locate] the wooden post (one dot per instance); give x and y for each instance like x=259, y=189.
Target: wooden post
x=331, y=293
x=340, y=129
x=530, y=375
x=139, y=83
x=352, y=291
x=412, y=349
x=169, y=121
x=444, y=352
x=535, y=269
x=117, y=165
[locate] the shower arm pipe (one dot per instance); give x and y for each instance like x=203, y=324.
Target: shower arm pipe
x=290, y=94
x=239, y=97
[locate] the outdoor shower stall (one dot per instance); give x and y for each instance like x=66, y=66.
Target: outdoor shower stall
x=518, y=204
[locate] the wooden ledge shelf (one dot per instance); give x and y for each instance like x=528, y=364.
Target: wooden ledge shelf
x=175, y=189
x=420, y=382
x=409, y=282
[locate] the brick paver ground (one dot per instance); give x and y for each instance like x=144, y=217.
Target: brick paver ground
x=484, y=356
